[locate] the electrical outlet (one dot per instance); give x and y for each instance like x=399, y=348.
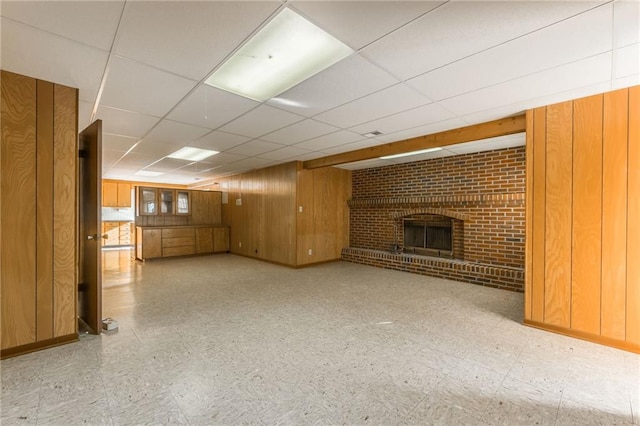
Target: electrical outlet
x=240, y=244
x=300, y=209
x=310, y=252
x=238, y=201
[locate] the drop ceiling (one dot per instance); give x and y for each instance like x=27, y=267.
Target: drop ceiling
x=418, y=67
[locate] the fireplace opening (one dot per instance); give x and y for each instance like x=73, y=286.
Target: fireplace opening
x=428, y=237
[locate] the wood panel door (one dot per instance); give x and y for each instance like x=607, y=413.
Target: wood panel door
x=90, y=236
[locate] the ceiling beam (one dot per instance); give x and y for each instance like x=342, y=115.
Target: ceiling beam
x=491, y=129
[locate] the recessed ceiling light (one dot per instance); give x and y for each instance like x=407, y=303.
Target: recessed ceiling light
x=406, y=154
x=372, y=134
x=148, y=173
x=192, y=154
x=286, y=51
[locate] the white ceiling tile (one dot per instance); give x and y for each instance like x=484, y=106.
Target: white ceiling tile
x=628, y=81
x=136, y=87
x=117, y=142
x=626, y=22
x=340, y=137
x=136, y=160
x=155, y=150
x=299, y=132
x=626, y=61
x=210, y=107
x=84, y=114
x=358, y=23
x=458, y=29
x=423, y=115
x=311, y=155
x=109, y=158
x=260, y=121
x=365, y=143
x=578, y=74
x=440, y=126
x=172, y=132
x=59, y=60
x=254, y=147
x=389, y=101
x=349, y=79
x=89, y=22
x=219, y=141
x=222, y=159
x=188, y=38
x=126, y=123
x=289, y=152
x=576, y=38
x=534, y=102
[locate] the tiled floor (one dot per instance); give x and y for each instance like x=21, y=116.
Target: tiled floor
x=228, y=340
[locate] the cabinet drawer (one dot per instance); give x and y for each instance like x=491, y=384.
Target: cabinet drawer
x=178, y=242
x=178, y=232
x=178, y=251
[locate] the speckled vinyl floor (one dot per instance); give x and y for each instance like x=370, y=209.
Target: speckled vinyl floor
x=228, y=340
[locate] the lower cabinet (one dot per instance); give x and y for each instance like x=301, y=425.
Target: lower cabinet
x=180, y=241
x=118, y=233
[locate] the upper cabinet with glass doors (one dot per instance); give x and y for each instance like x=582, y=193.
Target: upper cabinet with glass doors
x=147, y=201
x=183, y=205
x=163, y=201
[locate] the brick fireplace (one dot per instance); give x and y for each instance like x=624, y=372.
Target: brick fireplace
x=403, y=216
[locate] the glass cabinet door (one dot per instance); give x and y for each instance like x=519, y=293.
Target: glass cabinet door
x=183, y=206
x=148, y=201
x=166, y=201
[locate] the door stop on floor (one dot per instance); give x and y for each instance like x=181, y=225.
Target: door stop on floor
x=109, y=324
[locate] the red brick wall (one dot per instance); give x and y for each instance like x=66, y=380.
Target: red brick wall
x=487, y=188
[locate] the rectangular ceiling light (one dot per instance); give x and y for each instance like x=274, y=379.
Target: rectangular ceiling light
x=147, y=173
x=286, y=51
x=192, y=154
x=406, y=154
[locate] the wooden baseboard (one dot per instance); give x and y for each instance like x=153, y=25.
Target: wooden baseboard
x=607, y=341
x=36, y=346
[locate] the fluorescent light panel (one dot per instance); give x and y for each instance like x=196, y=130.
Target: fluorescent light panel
x=192, y=154
x=148, y=173
x=406, y=154
x=286, y=51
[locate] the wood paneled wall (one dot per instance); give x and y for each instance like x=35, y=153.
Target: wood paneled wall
x=323, y=223
x=267, y=222
x=583, y=218
x=38, y=213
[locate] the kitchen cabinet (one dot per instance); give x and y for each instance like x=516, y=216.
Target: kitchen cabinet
x=167, y=200
x=116, y=194
x=148, y=243
x=147, y=201
x=118, y=233
x=172, y=241
x=183, y=205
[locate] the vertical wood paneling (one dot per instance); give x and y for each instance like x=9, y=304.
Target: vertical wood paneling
x=587, y=214
x=18, y=204
x=64, y=207
x=528, y=215
x=44, y=211
x=305, y=222
x=614, y=214
x=538, y=212
x=557, y=309
x=633, y=219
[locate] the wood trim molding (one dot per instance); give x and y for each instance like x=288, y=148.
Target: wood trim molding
x=607, y=341
x=491, y=129
x=36, y=346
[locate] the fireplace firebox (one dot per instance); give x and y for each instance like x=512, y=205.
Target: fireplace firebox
x=428, y=237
